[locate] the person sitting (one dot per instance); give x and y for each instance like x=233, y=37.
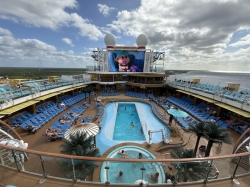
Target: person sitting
x=122, y=153
x=154, y=177
x=99, y=125
x=31, y=129
x=59, y=105
x=132, y=124
x=51, y=134
x=51, y=130
x=119, y=176
x=202, y=148
x=212, y=120
x=73, y=114
x=75, y=123
x=140, y=156
x=63, y=121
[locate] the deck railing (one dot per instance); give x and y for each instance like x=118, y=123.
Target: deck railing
x=49, y=165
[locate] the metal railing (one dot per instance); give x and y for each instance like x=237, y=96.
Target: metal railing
x=49, y=161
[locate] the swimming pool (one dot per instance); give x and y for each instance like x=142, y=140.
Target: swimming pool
x=104, y=139
x=127, y=123
x=131, y=171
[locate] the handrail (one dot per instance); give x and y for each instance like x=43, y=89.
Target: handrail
x=240, y=139
x=121, y=159
x=13, y=130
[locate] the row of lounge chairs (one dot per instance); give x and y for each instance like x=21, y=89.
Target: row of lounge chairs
x=209, y=88
x=62, y=128
x=100, y=110
x=184, y=103
x=7, y=92
x=241, y=96
x=109, y=92
x=45, y=113
x=69, y=100
x=235, y=96
x=19, y=119
x=185, y=121
x=139, y=95
x=156, y=111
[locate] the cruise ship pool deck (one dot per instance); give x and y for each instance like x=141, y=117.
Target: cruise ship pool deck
x=36, y=142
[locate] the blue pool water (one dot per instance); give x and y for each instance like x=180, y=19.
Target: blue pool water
x=105, y=138
x=124, y=130
x=131, y=171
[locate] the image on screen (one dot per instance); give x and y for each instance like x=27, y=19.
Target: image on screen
x=126, y=61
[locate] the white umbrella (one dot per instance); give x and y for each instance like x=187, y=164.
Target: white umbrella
x=90, y=129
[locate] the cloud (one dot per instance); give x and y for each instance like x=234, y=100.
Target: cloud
x=104, y=9
x=188, y=31
x=30, y=52
x=5, y=32
x=48, y=14
x=68, y=41
x=242, y=42
x=86, y=29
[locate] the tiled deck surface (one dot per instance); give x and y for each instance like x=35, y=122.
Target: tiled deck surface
x=37, y=142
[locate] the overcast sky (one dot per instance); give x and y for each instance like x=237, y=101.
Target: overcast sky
x=195, y=34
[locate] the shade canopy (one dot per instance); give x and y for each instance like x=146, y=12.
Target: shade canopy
x=90, y=129
x=18, y=107
x=177, y=113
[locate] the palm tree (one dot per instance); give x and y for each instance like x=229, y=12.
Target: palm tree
x=215, y=134
x=169, y=89
x=84, y=90
x=189, y=171
x=197, y=129
x=89, y=90
x=80, y=145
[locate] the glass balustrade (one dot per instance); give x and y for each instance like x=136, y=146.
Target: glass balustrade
x=161, y=170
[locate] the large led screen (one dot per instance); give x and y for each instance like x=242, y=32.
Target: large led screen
x=126, y=61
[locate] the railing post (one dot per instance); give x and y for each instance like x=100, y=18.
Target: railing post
x=142, y=170
x=73, y=166
x=107, y=168
x=236, y=167
x=42, y=161
x=177, y=169
x=208, y=171
x=14, y=155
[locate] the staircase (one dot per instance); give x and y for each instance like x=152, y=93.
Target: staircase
x=242, y=149
x=6, y=156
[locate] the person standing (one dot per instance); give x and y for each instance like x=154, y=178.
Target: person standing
x=99, y=125
x=170, y=119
